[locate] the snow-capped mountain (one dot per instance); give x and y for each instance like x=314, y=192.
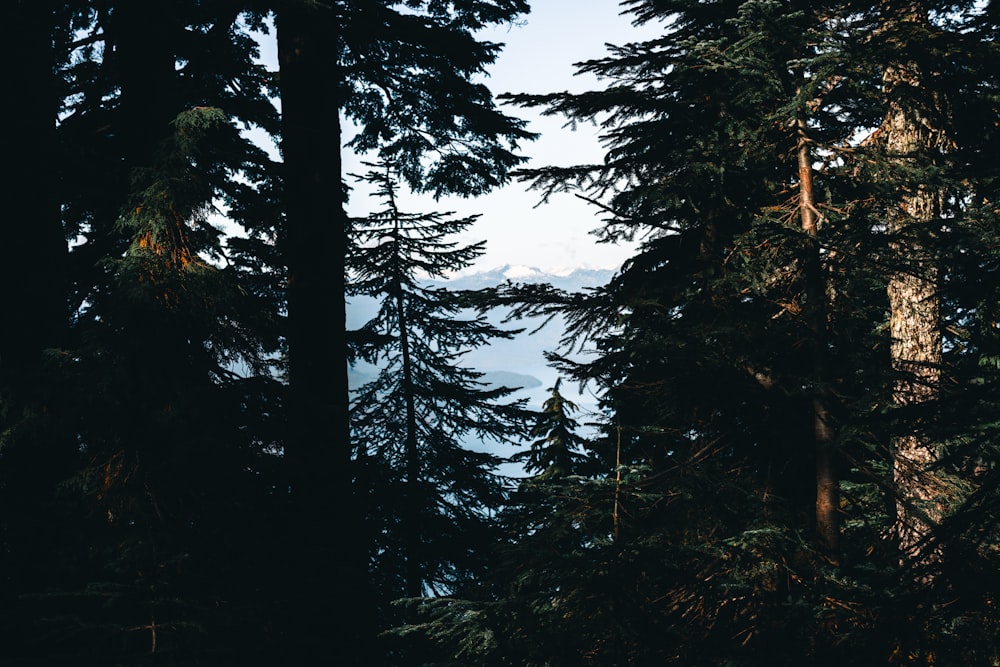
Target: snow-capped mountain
x=574, y=279
x=525, y=353
x=520, y=361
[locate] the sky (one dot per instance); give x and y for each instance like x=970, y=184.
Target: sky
x=538, y=58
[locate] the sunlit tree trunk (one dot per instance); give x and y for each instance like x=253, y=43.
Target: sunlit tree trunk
x=911, y=132
x=827, y=479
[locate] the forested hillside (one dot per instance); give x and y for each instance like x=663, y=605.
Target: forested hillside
x=793, y=455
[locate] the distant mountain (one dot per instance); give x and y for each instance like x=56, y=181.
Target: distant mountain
x=363, y=373
x=362, y=309
x=525, y=353
x=511, y=380
x=518, y=363
x=575, y=280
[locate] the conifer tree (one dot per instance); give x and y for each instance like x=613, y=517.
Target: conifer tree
x=914, y=131
x=33, y=246
x=124, y=84
x=421, y=425
x=748, y=174
x=150, y=394
x=35, y=454
x=558, y=450
x=752, y=320
x=405, y=78
x=167, y=469
x=937, y=98
x=798, y=370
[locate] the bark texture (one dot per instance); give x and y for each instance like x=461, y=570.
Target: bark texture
x=827, y=478
x=913, y=133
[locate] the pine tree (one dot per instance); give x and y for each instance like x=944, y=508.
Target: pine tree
x=167, y=472
x=753, y=320
x=149, y=398
x=35, y=452
x=422, y=424
x=558, y=450
x=794, y=456
x=748, y=174
x=404, y=77
x=938, y=95
x=709, y=389
x=122, y=86
x=913, y=131
x=33, y=245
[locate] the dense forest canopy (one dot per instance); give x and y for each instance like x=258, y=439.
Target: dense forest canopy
x=795, y=456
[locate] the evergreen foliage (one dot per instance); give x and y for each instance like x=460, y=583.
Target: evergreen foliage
x=748, y=306
x=423, y=422
x=160, y=411
x=558, y=450
x=794, y=456
x=403, y=73
x=166, y=465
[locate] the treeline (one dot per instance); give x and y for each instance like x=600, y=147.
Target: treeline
x=796, y=459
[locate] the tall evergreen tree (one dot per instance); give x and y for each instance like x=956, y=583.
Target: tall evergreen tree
x=125, y=83
x=747, y=174
x=938, y=98
x=914, y=133
x=313, y=247
x=422, y=423
x=798, y=370
x=376, y=63
x=149, y=400
x=707, y=348
x=558, y=449
x=34, y=245
x=752, y=321
x=34, y=454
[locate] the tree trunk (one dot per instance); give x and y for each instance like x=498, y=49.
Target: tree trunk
x=32, y=245
x=35, y=454
x=146, y=60
x=910, y=134
x=827, y=478
x=326, y=554
x=412, y=506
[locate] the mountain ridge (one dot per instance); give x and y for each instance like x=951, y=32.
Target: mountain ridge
x=518, y=363
x=575, y=278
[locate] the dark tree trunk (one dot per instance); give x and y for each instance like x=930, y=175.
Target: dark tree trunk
x=32, y=243
x=412, y=506
x=327, y=553
x=34, y=455
x=145, y=36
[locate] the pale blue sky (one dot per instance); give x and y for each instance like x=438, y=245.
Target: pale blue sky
x=538, y=58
